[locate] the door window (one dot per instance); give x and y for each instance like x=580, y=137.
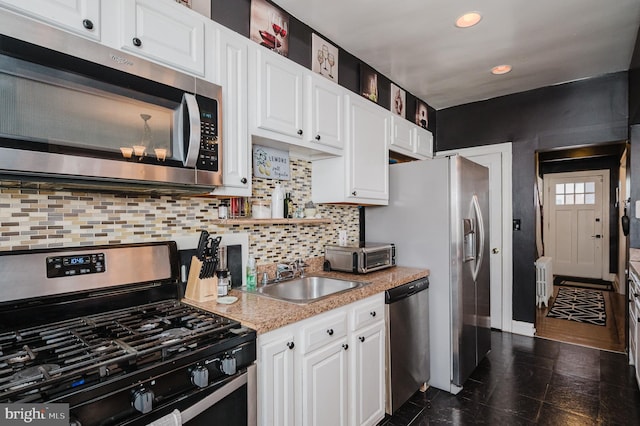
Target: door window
x=575, y=193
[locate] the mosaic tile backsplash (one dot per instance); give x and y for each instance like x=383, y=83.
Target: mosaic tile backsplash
x=32, y=219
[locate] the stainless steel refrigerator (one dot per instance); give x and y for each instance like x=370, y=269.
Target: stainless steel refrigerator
x=438, y=218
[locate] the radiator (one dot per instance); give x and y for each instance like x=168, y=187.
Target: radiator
x=544, y=281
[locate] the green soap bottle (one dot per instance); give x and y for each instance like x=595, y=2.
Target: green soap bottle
x=251, y=273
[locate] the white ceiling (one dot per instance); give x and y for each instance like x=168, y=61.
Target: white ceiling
x=416, y=44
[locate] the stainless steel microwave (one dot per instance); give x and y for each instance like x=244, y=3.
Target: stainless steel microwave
x=76, y=113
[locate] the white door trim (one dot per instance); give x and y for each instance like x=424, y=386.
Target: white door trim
x=606, y=197
x=507, y=219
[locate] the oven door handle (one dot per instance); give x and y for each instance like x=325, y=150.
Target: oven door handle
x=248, y=378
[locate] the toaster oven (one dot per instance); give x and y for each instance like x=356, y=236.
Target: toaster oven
x=360, y=260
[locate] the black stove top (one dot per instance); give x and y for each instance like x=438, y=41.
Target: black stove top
x=38, y=362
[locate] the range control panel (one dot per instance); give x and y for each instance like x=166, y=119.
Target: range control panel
x=80, y=264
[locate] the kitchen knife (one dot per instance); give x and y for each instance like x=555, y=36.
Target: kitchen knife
x=202, y=244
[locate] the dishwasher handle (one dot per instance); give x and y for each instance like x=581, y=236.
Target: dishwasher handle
x=406, y=290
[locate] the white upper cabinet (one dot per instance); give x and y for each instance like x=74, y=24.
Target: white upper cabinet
x=168, y=33
x=367, y=154
x=401, y=135
x=278, y=95
x=233, y=77
x=361, y=175
x=81, y=17
x=324, y=114
x=422, y=142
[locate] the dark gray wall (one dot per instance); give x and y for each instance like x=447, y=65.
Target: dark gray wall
x=592, y=111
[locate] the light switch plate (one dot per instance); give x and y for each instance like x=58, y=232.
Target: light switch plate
x=637, y=209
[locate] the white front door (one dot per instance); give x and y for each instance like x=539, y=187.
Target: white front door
x=576, y=223
x=497, y=158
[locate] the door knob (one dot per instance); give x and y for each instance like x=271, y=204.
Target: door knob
x=495, y=250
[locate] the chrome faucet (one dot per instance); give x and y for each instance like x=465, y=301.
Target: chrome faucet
x=284, y=271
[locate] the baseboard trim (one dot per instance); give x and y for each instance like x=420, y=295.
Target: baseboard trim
x=523, y=328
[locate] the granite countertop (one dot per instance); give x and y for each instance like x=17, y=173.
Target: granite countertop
x=264, y=314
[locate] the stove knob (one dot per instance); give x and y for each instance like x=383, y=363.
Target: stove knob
x=143, y=400
x=200, y=376
x=228, y=365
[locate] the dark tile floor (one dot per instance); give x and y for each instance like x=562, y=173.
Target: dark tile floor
x=525, y=381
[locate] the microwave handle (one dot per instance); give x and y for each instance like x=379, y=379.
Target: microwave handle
x=191, y=119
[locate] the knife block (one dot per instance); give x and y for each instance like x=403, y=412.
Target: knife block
x=200, y=290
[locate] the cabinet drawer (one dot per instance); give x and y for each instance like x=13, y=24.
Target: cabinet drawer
x=368, y=312
x=324, y=330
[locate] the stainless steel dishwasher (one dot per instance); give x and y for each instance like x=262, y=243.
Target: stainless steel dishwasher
x=407, y=364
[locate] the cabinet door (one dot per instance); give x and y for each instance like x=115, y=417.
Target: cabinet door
x=368, y=157
x=235, y=151
x=423, y=142
x=78, y=16
x=276, y=381
x=401, y=135
x=324, y=386
x=279, y=92
x=324, y=112
x=367, y=385
x=145, y=31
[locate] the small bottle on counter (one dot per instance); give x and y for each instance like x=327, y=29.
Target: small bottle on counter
x=288, y=206
x=223, y=282
x=251, y=273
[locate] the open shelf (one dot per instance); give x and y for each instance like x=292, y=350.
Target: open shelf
x=253, y=221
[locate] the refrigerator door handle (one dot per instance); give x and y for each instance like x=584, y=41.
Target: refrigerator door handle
x=469, y=242
x=481, y=236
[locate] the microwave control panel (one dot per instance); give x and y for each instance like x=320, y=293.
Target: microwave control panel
x=80, y=264
x=208, y=156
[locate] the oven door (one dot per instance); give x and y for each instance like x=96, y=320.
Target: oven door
x=231, y=405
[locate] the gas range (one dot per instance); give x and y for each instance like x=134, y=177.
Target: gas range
x=119, y=352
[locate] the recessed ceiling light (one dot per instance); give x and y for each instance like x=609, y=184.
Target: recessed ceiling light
x=500, y=69
x=468, y=20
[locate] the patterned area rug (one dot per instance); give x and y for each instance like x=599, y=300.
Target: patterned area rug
x=581, y=305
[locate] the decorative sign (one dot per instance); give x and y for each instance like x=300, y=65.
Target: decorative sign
x=324, y=58
x=270, y=163
x=269, y=26
x=398, y=100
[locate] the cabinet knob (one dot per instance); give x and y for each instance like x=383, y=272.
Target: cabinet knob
x=361, y=338
x=137, y=42
x=330, y=332
x=243, y=180
x=317, y=137
x=87, y=24
x=345, y=346
x=354, y=193
x=291, y=345
x=300, y=131
x=372, y=313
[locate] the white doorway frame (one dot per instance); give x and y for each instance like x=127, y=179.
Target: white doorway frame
x=507, y=220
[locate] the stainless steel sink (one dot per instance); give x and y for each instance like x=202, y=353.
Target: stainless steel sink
x=308, y=289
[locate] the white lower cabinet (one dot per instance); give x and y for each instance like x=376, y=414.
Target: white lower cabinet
x=333, y=363
x=367, y=348
x=276, y=369
x=324, y=385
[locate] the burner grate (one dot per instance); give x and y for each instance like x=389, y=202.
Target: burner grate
x=89, y=348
